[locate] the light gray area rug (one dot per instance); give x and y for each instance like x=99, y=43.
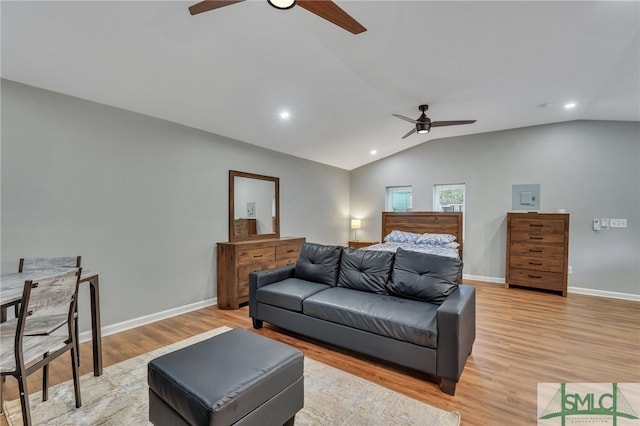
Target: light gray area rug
x=332, y=397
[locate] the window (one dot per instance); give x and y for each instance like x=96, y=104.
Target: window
x=399, y=199
x=449, y=198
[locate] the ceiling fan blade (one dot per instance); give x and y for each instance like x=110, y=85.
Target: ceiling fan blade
x=451, y=123
x=207, y=5
x=409, y=133
x=333, y=13
x=402, y=117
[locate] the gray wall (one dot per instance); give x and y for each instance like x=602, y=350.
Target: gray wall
x=141, y=199
x=589, y=168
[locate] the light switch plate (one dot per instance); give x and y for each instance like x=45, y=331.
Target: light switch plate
x=618, y=223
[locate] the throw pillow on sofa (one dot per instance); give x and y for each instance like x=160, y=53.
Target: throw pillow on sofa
x=318, y=263
x=365, y=270
x=424, y=276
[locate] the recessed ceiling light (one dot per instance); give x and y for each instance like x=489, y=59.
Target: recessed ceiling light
x=374, y=152
x=570, y=105
x=285, y=114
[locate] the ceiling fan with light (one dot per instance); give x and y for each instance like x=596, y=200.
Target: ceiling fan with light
x=323, y=8
x=424, y=123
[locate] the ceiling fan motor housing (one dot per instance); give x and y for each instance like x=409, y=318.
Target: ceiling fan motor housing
x=423, y=126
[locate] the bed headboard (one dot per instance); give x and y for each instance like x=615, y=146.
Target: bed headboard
x=421, y=222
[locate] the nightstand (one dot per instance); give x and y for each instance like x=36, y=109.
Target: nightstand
x=359, y=244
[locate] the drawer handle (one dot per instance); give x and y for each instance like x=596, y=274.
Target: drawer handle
x=539, y=225
x=535, y=263
x=537, y=277
x=290, y=251
x=535, y=238
x=536, y=250
x=258, y=255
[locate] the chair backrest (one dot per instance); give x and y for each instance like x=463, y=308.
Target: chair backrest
x=49, y=303
x=43, y=263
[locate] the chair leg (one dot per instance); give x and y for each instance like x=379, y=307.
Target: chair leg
x=1, y=397
x=77, y=331
x=76, y=376
x=45, y=381
x=24, y=400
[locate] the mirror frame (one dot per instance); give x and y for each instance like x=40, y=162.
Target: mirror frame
x=232, y=237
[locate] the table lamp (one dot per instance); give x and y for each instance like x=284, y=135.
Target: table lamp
x=355, y=225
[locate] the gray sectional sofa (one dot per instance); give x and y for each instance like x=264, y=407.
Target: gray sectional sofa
x=407, y=308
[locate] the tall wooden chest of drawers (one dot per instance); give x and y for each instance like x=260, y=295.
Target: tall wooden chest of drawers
x=538, y=250
x=236, y=260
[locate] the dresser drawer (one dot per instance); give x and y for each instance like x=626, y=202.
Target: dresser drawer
x=550, y=226
x=537, y=250
x=537, y=279
x=287, y=253
x=537, y=237
x=250, y=256
x=537, y=230
x=245, y=270
x=537, y=263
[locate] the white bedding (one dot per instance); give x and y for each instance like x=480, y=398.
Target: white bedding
x=439, y=250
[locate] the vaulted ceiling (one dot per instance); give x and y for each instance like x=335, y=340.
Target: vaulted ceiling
x=232, y=71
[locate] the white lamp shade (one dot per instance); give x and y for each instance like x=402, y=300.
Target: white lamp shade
x=356, y=224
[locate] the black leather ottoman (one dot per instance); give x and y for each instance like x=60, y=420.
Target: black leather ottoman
x=235, y=378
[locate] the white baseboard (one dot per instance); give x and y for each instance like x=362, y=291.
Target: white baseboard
x=570, y=289
x=493, y=280
x=604, y=293
x=147, y=319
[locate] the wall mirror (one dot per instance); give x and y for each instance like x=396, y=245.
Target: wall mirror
x=254, y=206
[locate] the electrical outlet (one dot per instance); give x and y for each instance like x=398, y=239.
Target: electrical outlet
x=570, y=270
x=604, y=223
x=618, y=223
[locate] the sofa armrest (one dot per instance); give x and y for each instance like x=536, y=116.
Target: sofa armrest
x=456, y=331
x=261, y=278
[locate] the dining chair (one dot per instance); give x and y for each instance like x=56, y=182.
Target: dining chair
x=29, y=343
x=28, y=264
x=39, y=264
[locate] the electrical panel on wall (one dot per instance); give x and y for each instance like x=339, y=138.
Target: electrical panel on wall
x=525, y=197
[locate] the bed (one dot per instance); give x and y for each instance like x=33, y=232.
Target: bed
x=421, y=223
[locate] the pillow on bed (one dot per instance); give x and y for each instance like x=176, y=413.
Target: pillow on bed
x=452, y=245
x=423, y=276
x=396, y=236
x=436, y=239
x=365, y=270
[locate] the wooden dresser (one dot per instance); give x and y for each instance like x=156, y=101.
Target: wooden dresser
x=236, y=260
x=538, y=250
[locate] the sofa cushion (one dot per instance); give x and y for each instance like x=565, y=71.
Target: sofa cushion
x=424, y=276
x=385, y=315
x=318, y=263
x=365, y=270
x=289, y=293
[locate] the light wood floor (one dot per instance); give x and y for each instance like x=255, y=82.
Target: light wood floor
x=524, y=337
